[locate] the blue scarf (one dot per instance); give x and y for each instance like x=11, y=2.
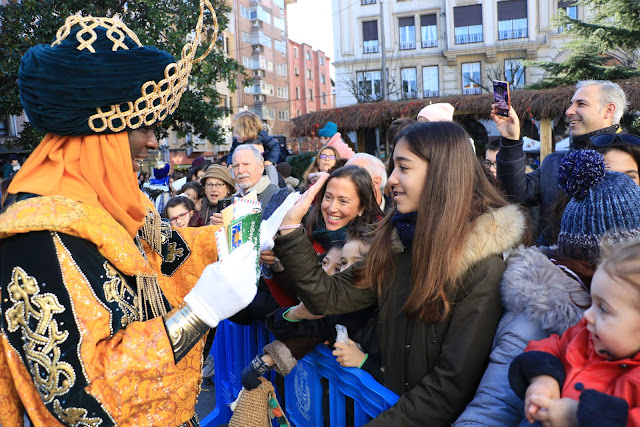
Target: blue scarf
x=325, y=237
x=405, y=225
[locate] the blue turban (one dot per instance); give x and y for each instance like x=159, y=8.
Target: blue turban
x=61, y=86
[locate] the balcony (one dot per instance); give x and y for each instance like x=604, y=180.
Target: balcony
x=519, y=33
x=472, y=91
x=431, y=93
x=429, y=43
x=407, y=45
x=371, y=46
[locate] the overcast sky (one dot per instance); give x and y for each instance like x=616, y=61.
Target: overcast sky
x=310, y=22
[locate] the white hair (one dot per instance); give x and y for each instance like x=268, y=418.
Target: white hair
x=256, y=153
x=610, y=93
x=374, y=166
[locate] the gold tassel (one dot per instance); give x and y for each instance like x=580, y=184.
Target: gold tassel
x=149, y=291
x=152, y=230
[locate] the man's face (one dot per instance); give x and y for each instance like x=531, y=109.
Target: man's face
x=247, y=170
x=585, y=114
x=140, y=141
x=490, y=161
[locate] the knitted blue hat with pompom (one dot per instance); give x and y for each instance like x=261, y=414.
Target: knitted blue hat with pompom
x=603, y=205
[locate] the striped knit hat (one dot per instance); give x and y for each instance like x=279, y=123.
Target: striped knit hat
x=604, y=206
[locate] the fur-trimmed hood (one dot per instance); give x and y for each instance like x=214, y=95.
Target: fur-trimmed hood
x=550, y=298
x=494, y=232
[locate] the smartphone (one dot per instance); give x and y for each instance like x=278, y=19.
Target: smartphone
x=501, y=98
x=223, y=203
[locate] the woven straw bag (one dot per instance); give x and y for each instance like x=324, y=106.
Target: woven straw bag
x=257, y=407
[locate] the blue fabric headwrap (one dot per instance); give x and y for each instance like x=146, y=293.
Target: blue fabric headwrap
x=61, y=86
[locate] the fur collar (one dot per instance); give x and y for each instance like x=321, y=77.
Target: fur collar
x=493, y=233
x=535, y=285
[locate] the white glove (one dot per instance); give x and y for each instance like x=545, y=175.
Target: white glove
x=225, y=287
x=269, y=227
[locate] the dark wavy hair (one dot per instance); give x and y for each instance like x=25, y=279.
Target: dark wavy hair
x=364, y=188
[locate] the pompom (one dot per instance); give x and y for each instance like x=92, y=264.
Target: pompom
x=579, y=171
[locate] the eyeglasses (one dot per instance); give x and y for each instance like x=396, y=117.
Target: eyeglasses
x=489, y=163
x=181, y=216
x=214, y=184
x=609, y=138
x=327, y=156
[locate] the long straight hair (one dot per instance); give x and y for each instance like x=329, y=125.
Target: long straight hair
x=456, y=191
x=313, y=167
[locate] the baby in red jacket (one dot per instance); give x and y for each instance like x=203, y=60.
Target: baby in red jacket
x=591, y=375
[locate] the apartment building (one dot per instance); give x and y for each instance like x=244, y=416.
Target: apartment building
x=441, y=47
x=261, y=47
x=309, y=80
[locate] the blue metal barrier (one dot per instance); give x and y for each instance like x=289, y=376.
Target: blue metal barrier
x=235, y=346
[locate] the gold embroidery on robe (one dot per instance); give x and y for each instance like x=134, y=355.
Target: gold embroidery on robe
x=42, y=345
x=174, y=252
x=116, y=289
x=75, y=416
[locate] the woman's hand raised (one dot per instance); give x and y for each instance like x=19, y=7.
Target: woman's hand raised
x=300, y=209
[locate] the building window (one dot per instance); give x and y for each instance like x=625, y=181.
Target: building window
x=471, y=78
x=308, y=56
x=364, y=2
x=297, y=92
x=310, y=98
x=409, y=83
x=430, y=82
x=283, y=92
x=309, y=75
x=281, y=69
x=514, y=73
x=572, y=12
x=324, y=98
x=283, y=116
x=429, y=31
x=295, y=71
x=322, y=79
x=279, y=23
x=295, y=53
x=369, y=86
x=246, y=37
x=512, y=19
x=407, y=33
x=244, y=12
x=370, y=36
x=468, y=24
x=279, y=3
x=280, y=46
x=321, y=59
x=297, y=113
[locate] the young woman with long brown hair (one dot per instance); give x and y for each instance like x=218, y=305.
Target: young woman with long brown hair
x=433, y=270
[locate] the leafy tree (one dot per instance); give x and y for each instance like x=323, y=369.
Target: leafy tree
x=604, y=47
x=164, y=24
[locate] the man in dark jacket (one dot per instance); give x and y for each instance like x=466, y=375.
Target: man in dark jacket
x=596, y=108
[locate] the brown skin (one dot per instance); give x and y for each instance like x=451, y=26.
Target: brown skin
x=141, y=140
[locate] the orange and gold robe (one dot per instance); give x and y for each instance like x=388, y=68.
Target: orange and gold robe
x=74, y=347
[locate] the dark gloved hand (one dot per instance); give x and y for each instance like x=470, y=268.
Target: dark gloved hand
x=252, y=373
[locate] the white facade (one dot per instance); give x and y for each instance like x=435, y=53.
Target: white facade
x=454, y=47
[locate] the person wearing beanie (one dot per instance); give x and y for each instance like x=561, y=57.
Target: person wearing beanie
x=595, y=108
x=546, y=290
x=439, y=112
x=284, y=169
x=332, y=138
x=104, y=310
x=218, y=184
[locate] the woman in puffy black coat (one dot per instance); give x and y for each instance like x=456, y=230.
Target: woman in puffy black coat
x=433, y=270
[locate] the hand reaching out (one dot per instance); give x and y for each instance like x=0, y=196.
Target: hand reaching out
x=300, y=209
x=509, y=127
x=349, y=355
x=301, y=312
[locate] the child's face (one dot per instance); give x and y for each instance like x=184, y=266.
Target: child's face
x=331, y=261
x=352, y=252
x=614, y=317
x=179, y=216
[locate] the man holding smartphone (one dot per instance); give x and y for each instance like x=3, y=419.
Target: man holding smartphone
x=596, y=108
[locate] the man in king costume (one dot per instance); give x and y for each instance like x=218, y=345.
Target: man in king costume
x=104, y=307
